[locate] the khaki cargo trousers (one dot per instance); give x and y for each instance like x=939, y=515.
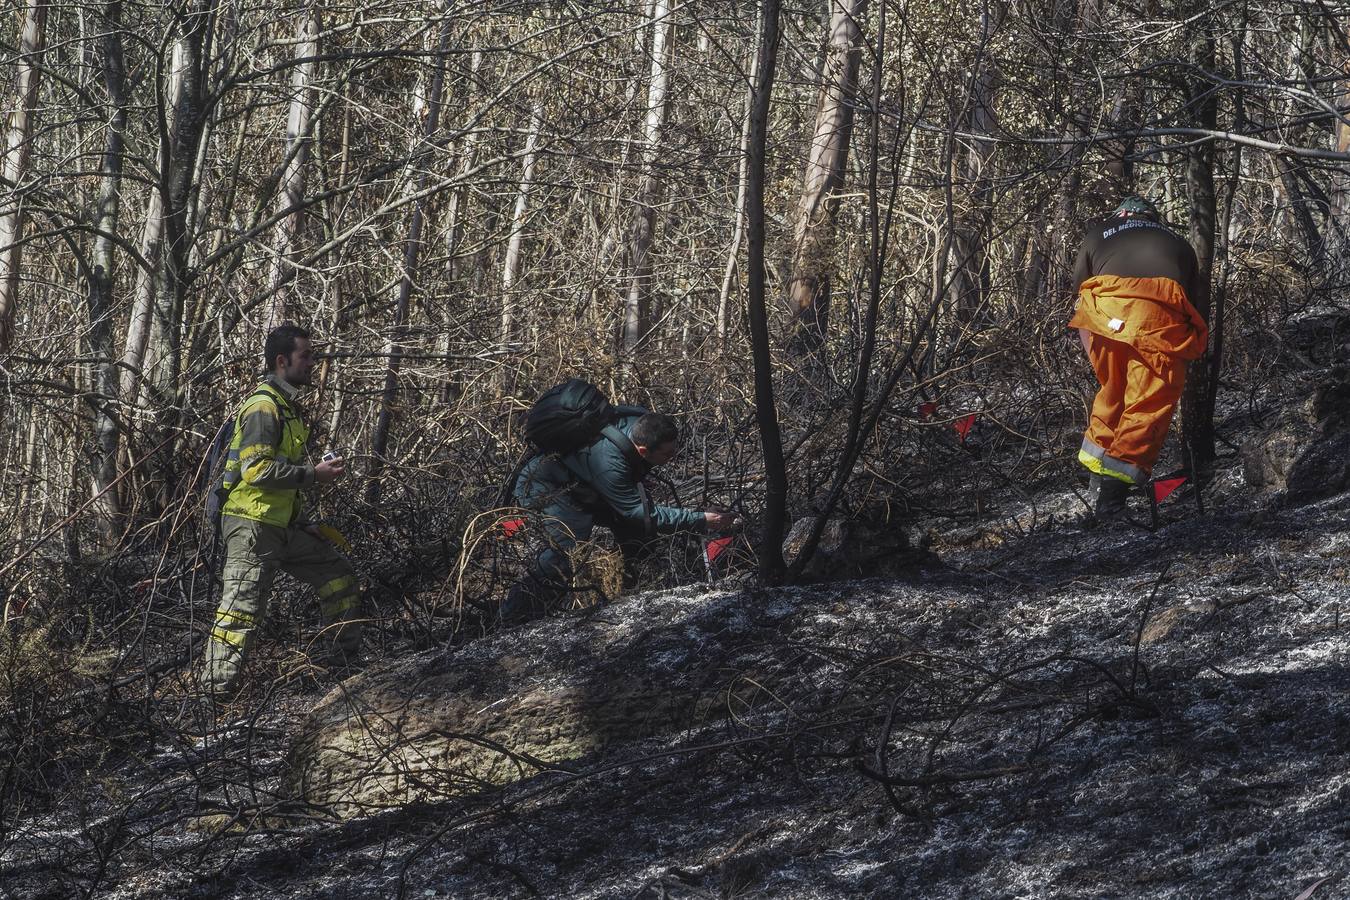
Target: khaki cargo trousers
x=254, y=551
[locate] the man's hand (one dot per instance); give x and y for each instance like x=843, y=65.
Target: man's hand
x=723, y=522
x=330, y=470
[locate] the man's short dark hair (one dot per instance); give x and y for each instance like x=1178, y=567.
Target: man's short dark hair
x=281, y=342
x=654, y=430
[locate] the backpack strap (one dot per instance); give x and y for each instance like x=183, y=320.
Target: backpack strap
x=626, y=446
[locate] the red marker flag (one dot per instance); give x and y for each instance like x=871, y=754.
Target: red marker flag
x=511, y=526
x=962, y=426
x=1163, y=489
x=716, y=546
x=928, y=409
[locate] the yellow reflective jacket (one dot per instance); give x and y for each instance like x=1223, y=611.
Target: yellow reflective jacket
x=1152, y=315
x=265, y=467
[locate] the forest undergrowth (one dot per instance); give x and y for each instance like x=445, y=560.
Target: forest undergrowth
x=119, y=774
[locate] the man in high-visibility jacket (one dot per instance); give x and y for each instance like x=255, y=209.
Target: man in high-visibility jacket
x=260, y=520
x=1142, y=303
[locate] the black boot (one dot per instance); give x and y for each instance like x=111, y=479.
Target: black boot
x=1094, y=488
x=1111, y=500
x=523, y=604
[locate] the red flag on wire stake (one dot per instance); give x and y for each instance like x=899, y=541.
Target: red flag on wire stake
x=926, y=410
x=1165, y=488
x=963, y=426
x=511, y=526
x=716, y=546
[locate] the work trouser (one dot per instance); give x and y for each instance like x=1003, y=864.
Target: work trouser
x=254, y=551
x=566, y=521
x=1132, y=411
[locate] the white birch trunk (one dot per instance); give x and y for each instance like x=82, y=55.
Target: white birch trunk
x=637, y=302
x=511, y=264
x=14, y=156
x=299, y=135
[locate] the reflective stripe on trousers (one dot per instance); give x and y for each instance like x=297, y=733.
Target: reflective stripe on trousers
x=254, y=552
x=1132, y=411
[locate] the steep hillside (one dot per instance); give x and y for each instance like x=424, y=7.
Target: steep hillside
x=1055, y=710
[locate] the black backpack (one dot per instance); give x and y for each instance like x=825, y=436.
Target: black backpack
x=214, y=474
x=568, y=417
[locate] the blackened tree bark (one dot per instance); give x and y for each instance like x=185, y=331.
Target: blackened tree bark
x=770, y=547
x=1197, y=402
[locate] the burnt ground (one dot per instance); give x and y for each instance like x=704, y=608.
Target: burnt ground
x=1059, y=711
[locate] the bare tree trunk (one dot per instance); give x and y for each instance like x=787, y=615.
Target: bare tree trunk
x=455, y=214
x=876, y=263
x=459, y=197
x=163, y=359
x=336, y=295
x=511, y=263
x=1067, y=231
x=412, y=249
x=299, y=136
x=149, y=276
x=770, y=548
x=813, y=238
x=738, y=231
x=104, y=387
x=614, y=244
x=1197, y=408
x=1340, y=180
x=970, y=267
x=637, y=301
x=14, y=156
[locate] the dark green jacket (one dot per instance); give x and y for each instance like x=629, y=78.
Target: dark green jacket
x=614, y=477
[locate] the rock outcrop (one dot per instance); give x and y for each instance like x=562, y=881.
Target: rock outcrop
x=1306, y=452
x=525, y=700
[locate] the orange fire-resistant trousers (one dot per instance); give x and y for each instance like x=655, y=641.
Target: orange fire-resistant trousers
x=1132, y=410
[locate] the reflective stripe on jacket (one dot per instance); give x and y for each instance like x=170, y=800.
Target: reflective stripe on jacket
x=265, y=466
x=1152, y=315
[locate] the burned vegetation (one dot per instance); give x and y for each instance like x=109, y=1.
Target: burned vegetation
x=837, y=245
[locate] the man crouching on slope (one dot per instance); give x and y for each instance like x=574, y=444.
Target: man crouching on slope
x=600, y=484
x=1141, y=315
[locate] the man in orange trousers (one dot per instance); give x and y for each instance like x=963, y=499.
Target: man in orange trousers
x=1141, y=315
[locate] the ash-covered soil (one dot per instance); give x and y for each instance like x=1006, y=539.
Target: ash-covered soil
x=1042, y=709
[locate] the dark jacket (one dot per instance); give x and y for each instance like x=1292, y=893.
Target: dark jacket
x=603, y=479
x=1137, y=247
